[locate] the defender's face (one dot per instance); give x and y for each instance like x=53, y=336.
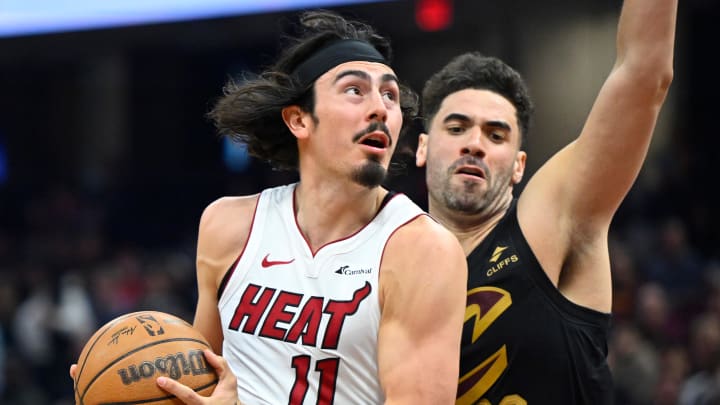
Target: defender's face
x=471, y=152
x=357, y=106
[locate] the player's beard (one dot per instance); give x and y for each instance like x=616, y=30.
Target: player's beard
x=469, y=197
x=371, y=174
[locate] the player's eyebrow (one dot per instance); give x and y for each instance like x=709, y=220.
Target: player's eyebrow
x=498, y=124
x=466, y=120
x=387, y=77
x=456, y=117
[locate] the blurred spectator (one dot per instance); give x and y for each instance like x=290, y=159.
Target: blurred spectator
x=673, y=369
x=165, y=276
x=625, y=281
x=702, y=387
x=655, y=317
x=634, y=364
x=675, y=265
x=74, y=318
x=32, y=319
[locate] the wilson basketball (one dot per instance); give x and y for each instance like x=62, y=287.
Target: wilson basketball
x=122, y=360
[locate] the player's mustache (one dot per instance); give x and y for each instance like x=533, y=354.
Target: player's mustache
x=372, y=128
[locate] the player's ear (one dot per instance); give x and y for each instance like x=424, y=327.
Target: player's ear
x=297, y=121
x=421, y=152
x=519, y=167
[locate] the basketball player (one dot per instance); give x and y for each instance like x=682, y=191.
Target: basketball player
x=327, y=291
x=539, y=293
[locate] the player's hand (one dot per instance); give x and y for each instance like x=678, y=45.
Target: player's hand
x=73, y=371
x=225, y=392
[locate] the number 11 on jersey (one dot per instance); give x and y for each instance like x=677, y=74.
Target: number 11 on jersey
x=328, y=369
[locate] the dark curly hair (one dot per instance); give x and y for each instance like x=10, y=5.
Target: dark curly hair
x=473, y=70
x=250, y=111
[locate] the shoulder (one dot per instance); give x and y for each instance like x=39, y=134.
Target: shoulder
x=224, y=227
x=422, y=257
x=215, y=217
x=425, y=245
x=424, y=229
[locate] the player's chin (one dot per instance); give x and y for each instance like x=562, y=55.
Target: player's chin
x=370, y=174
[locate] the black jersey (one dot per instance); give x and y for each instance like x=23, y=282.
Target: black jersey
x=523, y=342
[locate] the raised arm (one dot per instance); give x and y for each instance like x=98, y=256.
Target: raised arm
x=594, y=173
x=608, y=155
x=423, y=284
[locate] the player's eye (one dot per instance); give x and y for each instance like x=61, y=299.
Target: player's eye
x=353, y=90
x=390, y=95
x=456, y=129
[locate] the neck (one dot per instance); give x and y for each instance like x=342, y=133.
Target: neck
x=470, y=229
x=331, y=211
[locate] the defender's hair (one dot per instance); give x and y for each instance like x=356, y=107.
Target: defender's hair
x=473, y=70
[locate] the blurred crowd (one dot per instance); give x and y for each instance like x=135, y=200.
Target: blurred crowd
x=63, y=274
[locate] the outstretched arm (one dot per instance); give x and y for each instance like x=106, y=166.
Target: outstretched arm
x=594, y=173
x=423, y=284
x=608, y=155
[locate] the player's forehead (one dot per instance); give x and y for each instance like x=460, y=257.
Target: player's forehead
x=476, y=105
x=362, y=70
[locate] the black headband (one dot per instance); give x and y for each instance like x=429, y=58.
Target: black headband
x=338, y=52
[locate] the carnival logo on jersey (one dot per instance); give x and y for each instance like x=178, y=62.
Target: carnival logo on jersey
x=501, y=260
x=293, y=317
x=348, y=271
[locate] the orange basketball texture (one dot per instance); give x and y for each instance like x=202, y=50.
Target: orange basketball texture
x=122, y=360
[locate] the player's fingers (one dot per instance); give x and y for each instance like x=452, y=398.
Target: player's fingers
x=182, y=392
x=216, y=361
x=227, y=378
x=226, y=390
x=73, y=371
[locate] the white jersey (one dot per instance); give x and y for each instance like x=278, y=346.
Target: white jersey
x=302, y=328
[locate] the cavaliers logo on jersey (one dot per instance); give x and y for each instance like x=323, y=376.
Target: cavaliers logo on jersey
x=484, y=306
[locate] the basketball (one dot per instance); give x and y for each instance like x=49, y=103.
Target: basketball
x=122, y=360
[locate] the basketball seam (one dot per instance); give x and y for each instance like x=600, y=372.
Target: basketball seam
x=84, y=361
x=146, y=401
x=109, y=365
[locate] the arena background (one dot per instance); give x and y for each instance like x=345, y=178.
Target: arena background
x=107, y=160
